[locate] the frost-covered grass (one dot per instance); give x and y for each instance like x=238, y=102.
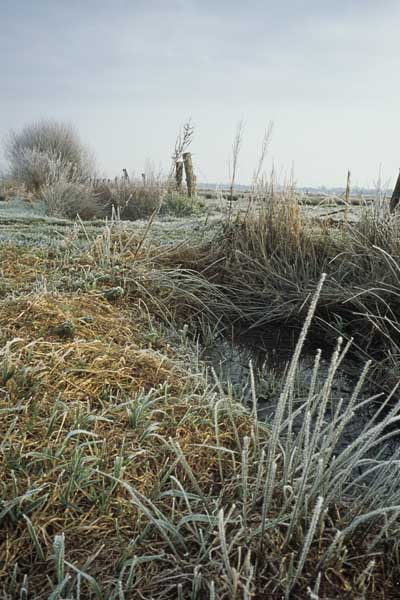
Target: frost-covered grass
x=127, y=469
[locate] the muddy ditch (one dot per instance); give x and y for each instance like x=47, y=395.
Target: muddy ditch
x=268, y=354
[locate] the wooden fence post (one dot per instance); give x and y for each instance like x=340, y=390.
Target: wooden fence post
x=347, y=199
x=178, y=175
x=190, y=178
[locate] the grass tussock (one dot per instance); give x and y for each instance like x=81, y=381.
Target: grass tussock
x=263, y=266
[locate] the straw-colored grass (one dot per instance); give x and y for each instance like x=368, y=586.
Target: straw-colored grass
x=10, y=189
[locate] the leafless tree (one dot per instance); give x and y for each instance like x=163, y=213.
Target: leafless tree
x=183, y=141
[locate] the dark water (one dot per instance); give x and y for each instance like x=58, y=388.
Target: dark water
x=269, y=353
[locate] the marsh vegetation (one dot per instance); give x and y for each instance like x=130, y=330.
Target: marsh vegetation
x=131, y=465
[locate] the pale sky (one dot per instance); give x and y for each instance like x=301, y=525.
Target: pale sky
x=128, y=73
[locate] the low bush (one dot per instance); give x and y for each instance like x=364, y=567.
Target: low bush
x=65, y=197
x=180, y=205
x=131, y=199
x=135, y=200
x=68, y=199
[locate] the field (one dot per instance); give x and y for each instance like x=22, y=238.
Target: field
x=202, y=405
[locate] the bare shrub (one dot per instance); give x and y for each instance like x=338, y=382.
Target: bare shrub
x=133, y=199
x=39, y=148
x=64, y=198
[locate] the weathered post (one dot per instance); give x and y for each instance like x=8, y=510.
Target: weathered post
x=347, y=199
x=178, y=174
x=190, y=179
x=395, y=199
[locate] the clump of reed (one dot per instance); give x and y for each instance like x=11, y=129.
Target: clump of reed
x=263, y=265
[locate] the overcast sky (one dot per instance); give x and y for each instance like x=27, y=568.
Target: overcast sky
x=128, y=73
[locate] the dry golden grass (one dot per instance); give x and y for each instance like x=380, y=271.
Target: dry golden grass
x=75, y=398
x=10, y=189
x=39, y=315
x=80, y=348
x=20, y=267
x=79, y=386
